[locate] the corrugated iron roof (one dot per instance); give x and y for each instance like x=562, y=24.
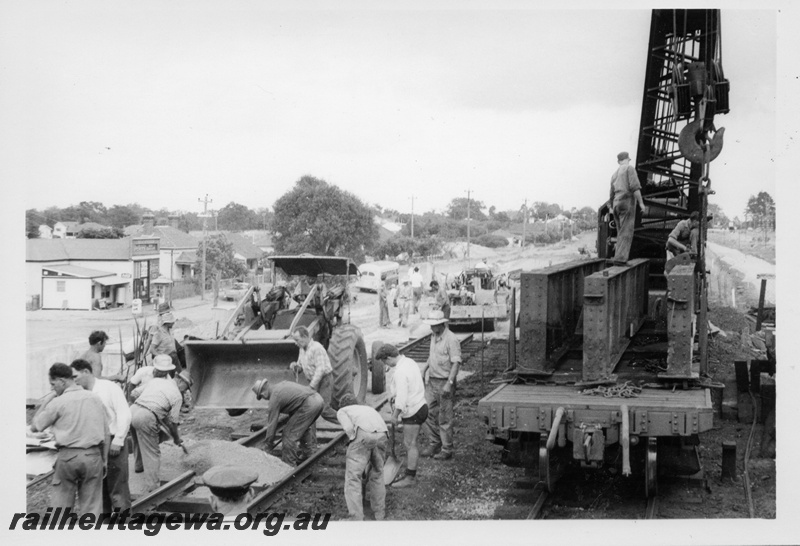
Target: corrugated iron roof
x=171, y=238
x=78, y=271
x=49, y=250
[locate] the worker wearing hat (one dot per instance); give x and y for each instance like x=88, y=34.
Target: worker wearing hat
x=230, y=488
x=440, y=372
x=405, y=298
x=162, y=341
x=625, y=194
x=303, y=405
x=158, y=405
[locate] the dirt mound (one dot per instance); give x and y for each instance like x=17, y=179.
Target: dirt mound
x=204, y=454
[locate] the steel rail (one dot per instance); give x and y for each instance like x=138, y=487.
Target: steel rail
x=267, y=497
x=541, y=494
x=652, y=508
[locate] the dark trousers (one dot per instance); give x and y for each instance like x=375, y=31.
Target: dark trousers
x=298, y=432
x=116, y=493
x=625, y=218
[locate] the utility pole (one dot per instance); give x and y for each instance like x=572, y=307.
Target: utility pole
x=205, y=202
x=524, y=221
x=412, y=216
x=468, y=191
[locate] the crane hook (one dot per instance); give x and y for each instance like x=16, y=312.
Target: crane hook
x=689, y=143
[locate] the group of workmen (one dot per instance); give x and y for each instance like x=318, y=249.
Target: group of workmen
x=90, y=416
x=422, y=399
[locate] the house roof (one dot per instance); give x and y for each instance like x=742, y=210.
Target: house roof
x=49, y=250
x=78, y=271
x=186, y=257
x=171, y=238
x=242, y=244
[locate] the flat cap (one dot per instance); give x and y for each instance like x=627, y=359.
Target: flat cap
x=229, y=477
x=623, y=155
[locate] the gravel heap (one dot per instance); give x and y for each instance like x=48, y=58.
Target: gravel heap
x=204, y=454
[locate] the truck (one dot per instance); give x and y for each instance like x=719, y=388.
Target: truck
x=613, y=357
x=256, y=341
x=477, y=299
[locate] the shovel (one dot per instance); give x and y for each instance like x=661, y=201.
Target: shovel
x=392, y=466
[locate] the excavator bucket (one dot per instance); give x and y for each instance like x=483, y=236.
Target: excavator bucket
x=223, y=371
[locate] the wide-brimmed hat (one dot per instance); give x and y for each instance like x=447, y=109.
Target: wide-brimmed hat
x=163, y=363
x=258, y=388
x=167, y=318
x=186, y=377
x=435, y=317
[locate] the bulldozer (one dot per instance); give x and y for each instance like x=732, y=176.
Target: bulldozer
x=256, y=342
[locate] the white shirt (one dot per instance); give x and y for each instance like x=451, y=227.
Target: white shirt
x=117, y=410
x=415, y=277
x=357, y=417
x=407, y=387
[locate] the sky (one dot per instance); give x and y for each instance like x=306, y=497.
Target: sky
x=162, y=103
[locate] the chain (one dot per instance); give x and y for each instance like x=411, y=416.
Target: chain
x=624, y=390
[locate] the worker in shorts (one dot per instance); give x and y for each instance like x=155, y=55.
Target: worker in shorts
x=303, y=405
x=408, y=391
x=366, y=453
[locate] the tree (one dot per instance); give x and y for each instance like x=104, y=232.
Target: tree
x=761, y=207
x=219, y=257
x=236, y=217
x=319, y=218
x=122, y=216
x=719, y=218
x=106, y=233
x=32, y=222
x=457, y=209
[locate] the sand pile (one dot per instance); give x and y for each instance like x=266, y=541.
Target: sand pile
x=204, y=454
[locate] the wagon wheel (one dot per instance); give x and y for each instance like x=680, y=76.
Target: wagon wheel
x=544, y=465
x=650, y=468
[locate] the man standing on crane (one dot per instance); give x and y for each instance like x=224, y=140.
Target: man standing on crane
x=625, y=193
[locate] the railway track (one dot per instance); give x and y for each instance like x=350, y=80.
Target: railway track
x=171, y=496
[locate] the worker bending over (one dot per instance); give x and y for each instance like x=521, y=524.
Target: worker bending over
x=303, y=405
x=685, y=235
